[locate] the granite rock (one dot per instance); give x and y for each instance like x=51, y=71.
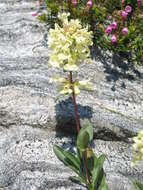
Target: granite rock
x=31, y=120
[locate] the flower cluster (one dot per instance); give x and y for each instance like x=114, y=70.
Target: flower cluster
x=114, y=26
x=126, y=12
x=138, y=148
x=109, y=29
x=69, y=44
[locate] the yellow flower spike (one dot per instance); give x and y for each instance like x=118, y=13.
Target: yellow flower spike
x=138, y=148
x=69, y=44
x=69, y=47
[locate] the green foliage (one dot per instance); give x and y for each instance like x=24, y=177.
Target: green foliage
x=102, y=14
x=67, y=158
x=84, y=152
x=83, y=140
x=42, y=18
x=138, y=185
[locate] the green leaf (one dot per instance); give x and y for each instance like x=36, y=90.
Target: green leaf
x=138, y=185
x=42, y=18
x=98, y=172
x=71, y=158
x=78, y=180
x=91, y=159
x=79, y=154
x=67, y=158
x=88, y=128
x=103, y=185
x=80, y=159
x=83, y=140
x=90, y=163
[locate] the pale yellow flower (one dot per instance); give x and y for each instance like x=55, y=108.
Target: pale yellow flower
x=138, y=148
x=69, y=44
x=65, y=87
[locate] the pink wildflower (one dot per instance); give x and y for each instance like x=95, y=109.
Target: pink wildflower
x=74, y=2
x=113, y=39
x=125, y=31
x=124, y=14
x=108, y=30
x=114, y=25
x=128, y=9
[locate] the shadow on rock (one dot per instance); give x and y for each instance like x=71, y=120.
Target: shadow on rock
x=65, y=116
x=117, y=67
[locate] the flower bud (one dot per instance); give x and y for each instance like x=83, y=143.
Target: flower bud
x=74, y=3
x=89, y=3
x=34, y=14
x=125, y=31
x=139, y=3
x=122, y=1
x=113, y=39
x=124, y=15
x=114, y=25
x=108, y=30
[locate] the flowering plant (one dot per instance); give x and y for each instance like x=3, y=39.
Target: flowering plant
x=69, y=44
x=117, y=25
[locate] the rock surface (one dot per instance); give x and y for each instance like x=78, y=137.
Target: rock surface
x=31, y=121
